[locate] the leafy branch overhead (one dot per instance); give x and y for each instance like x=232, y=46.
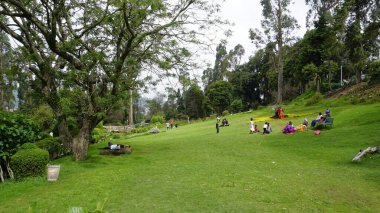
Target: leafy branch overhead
x=97, y=49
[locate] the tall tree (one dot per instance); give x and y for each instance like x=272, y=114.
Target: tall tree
x=362, y=32
x=6, y=93
x=97, y=46
x=219, y=71
x=278, y=25
x=318, y=7
x=235, y=56
x=220, y=95
x=194, y=102
x=225, y=62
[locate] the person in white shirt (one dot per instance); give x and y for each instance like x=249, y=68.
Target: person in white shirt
x=251, y=126
x=267, y=128
x=217, y=124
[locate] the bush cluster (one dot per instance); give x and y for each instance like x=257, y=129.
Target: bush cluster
x=53, y=146
x=29, y=161
x=140, y=130
x=236, y=106
x=16, y=130
x=28, y=146
x=157, y=119
x=100, y=135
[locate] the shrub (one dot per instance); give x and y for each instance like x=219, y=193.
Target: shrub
x=29, y=162
x=28, y=146
x=315, y=99
x=100, y=125
x=225, y=112
x=100, y=135
x=140, y=130
x=52, y=145
x=116, y=136
x=157, y=119
x=15, y=130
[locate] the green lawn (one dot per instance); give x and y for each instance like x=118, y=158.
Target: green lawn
x=193, y=169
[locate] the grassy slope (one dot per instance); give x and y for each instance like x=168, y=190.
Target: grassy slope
x=192, y=169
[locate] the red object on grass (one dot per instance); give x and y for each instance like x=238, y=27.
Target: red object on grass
x=317, y=132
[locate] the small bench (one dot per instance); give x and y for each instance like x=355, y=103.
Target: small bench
x=328, y=122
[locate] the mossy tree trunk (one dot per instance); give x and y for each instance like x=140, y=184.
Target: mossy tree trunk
x=1, y=174
x=64, y=134
x=81, y=141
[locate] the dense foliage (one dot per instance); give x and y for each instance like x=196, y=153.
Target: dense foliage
x=220, y=95
x=195, y=102
x=157, y=119
x=89, y=70
x=85, y=68
x=52, y=145
x=15, y=130
x=99, y=134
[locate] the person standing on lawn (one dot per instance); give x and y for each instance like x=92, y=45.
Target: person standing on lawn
x=217, y=124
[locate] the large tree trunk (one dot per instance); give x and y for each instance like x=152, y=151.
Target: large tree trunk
x=358, y=75
x=81, y=141
x=1, y=96
x=280, y=82
x=1, y=174
x=280, y=42
x=330, y=77
x=130, y=114
x=64, y=134
x=9, y=170
x=318, y=82
x=1, y=86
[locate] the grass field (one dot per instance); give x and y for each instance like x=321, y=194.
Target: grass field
x=193, y=169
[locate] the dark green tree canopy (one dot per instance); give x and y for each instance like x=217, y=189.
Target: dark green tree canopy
x=220, y=95
x=195, y=102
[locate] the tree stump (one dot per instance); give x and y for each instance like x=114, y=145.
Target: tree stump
x=369, y=150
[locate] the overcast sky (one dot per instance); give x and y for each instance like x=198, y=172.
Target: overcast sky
x=246, y=14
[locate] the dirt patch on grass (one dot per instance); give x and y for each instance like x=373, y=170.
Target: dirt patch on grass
x=361, y=91
x=349, y=90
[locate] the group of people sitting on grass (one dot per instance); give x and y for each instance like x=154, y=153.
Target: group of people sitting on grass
x=321, y=118
x=289, y=128
x=279, y=113
x=267, y=128
x=225, y=122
